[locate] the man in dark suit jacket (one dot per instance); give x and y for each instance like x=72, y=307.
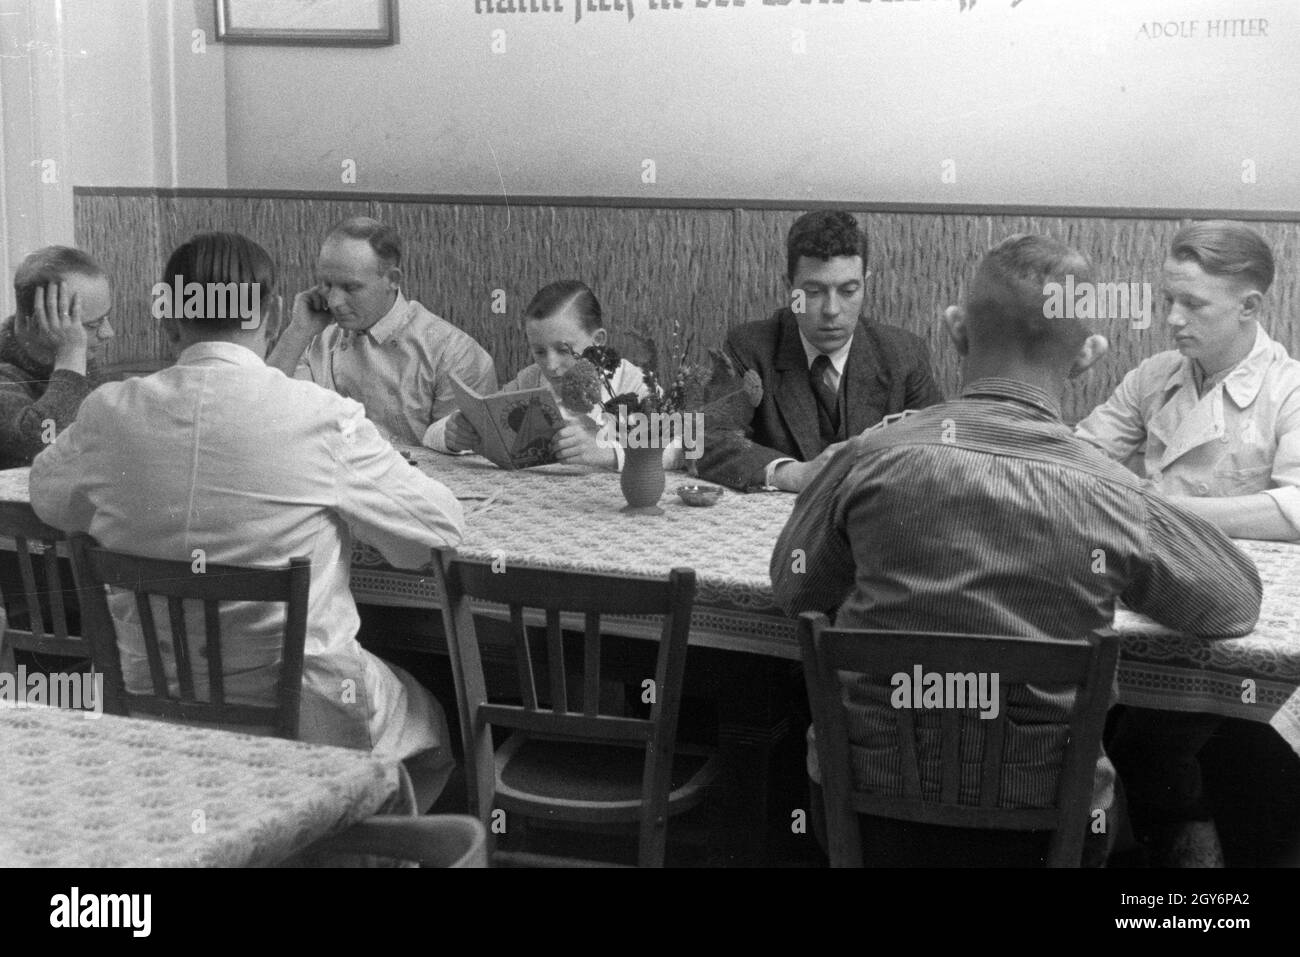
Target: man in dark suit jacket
x=827, y=372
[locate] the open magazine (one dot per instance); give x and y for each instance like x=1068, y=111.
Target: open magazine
x=516, y=427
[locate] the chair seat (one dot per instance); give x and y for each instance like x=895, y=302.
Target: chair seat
x=583, y=782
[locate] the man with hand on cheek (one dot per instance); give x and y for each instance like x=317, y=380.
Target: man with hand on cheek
x=48, y=348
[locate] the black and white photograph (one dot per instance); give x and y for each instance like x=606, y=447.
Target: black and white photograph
x=690, y=434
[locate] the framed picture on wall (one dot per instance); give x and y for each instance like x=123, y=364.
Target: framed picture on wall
x=314, y=22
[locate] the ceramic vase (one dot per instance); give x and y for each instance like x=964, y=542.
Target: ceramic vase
x=642, y=480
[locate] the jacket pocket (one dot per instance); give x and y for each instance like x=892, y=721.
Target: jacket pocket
x=1230, y=480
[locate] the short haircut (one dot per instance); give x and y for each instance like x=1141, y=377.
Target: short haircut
x=1222, y=247
x=219, y=259
x=46, y=265
x=1007, y=301
x=824, y=234
x=556, y=296
x=384, y=240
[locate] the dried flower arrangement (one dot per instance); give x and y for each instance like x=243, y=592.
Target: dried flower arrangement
x=713, y=389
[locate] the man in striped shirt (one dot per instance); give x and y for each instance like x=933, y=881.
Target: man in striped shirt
x=986, y=515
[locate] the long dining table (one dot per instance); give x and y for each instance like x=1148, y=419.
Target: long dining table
x=568, y=517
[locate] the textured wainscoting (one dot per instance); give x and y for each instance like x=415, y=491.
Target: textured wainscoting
x=707, y=268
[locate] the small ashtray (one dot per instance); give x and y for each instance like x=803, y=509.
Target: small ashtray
x=700, y=495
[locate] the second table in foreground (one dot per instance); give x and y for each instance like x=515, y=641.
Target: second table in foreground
x=106, y=791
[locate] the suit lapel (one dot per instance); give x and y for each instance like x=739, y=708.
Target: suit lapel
x=793, y=396
x=863, y=375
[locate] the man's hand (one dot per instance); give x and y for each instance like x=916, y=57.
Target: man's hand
x=795, y=476
x=310, y=312
x=460, y=435
x=54, y=328
x=576, y=444
x=309, y=318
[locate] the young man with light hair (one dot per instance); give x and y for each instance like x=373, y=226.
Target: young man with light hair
x=1214, y=423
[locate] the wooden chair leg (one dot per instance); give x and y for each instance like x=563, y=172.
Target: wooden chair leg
x=8, y=663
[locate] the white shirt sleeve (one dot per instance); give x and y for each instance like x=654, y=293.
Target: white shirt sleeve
x=388, y=503
x=58, y=477
x=435, y=437
x=769, y=473
x=1117, y=427
x=1286, y=466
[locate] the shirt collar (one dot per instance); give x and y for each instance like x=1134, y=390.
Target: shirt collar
x=1242, y=381
x=838, y=357
x=391, y=324
x=999, y=388
x=202, y=353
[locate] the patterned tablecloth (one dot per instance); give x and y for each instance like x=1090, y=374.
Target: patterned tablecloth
x=122, y=792
x=568, y=517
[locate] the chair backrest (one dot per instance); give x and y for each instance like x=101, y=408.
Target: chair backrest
x=41, y=588
x=591, y=596
x=1087, y=666
x=177, y=581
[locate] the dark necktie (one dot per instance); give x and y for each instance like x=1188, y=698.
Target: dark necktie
x=827, y=397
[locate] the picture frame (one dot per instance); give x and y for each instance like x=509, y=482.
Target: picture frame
x=308, y=22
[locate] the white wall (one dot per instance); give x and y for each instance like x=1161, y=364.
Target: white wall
x=1069, y=103
x=111, y=93
x=1064, y=102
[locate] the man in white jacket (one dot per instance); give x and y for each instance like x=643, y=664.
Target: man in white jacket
x=224, y=458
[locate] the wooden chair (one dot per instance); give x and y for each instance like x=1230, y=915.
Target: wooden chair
x=1088, y=666
x=559, y=763
x=439, y=840
x=36, y=543
x=176, y=581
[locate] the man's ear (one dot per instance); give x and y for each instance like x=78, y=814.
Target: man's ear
x=1093, y=348
x=1252, y=304
x=394, y=277
x=600, y=336
x=954, y=320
